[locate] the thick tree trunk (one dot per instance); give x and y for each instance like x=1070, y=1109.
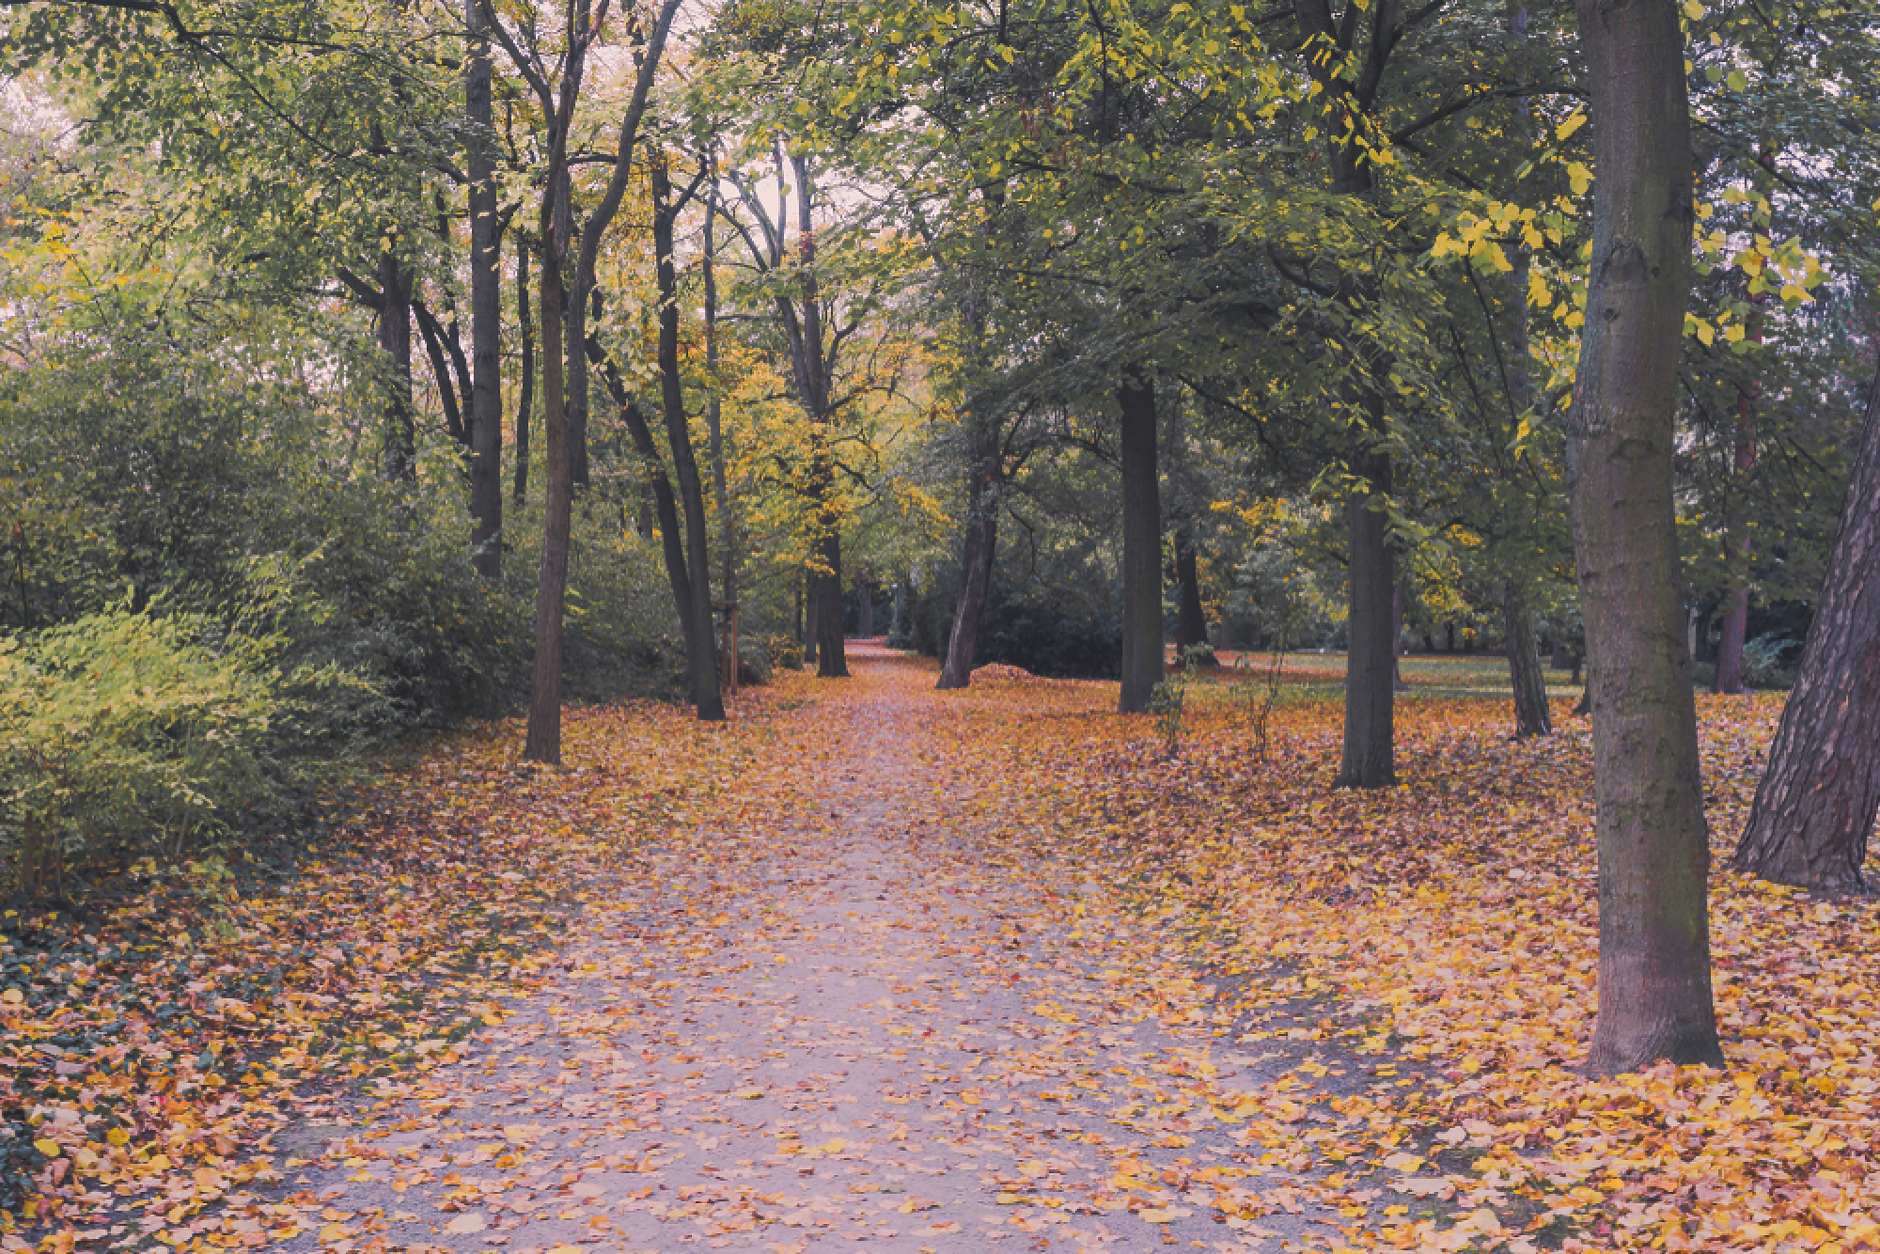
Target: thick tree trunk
x=1191, y=620
x=525, y=400
x=1531, y=715
x=1371, y=660
x=486, y=308
x=401, y=430
x=1814, y=810
x=1142, y=546
x=701, y=658
x=832, y=660
x=981, y=548
x=1654, y=932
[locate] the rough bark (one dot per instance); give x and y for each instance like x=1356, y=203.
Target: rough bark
x=486, y=308
x=981, y=548
x=1654, y=933
x=1814, y=810
x=701, y=658
x=1142, y=546
x=1531, y=715
x=1371, y=656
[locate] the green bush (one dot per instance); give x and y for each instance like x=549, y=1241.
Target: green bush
x=124, y=730
x=784, y=653
x=1768, y=661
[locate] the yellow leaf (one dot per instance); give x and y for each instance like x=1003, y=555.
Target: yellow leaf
x=47, y=1147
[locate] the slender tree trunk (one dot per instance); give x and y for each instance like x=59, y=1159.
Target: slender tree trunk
x=1142, y=546
x=544, y=738
x=1735, y=623
x=1397, y=596
x=700, y=656
x=812, y=600
x=1654, y=932
x=486, y=308
x=727, y=522
x=1371, y=661
x=1531, y=715
x=401, y=431
x=656, y=488
x=525, y=400
x=1814, y=810
x=976, y=561
x=865, y=607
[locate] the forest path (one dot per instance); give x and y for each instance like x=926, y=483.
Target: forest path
x=846, y=1018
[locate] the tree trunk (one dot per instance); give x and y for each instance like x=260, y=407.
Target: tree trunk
x=981, y=548
x=1531, y=715
x=1371, y=659
x=1654, y=932
x=1397, y=596
x=865, y=607
x=714, y=425
x=656, y=488
x=1815, y=807
x=486, y=307
x=832, y=660
x=525, y=400
x=1142, y=546
x=701, y=658
x=810, y=601
x=401, y=431
x=544, y=737
x=1191, y=620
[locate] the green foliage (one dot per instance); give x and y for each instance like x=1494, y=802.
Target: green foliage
x=1170, y=697
x=1769, y=661
x=126, y=730
x=783, y=653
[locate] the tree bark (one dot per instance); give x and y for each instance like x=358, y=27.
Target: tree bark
x=727, y=522
x=1814, y=810
x=701, y=658
x=543, y=743
x=1531, y=715
x=525, y=400
x=1371, y=656
x=981, y=548
x=401, y=430
x=1191, y=620
x=657, y=487
x=1142, y=546
x=865, y=606
x=831, y=658
x=1397, y=596
x=1654, y=932
x=486, y=307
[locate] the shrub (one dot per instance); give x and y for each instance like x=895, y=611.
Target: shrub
x=784, y=653
x=125, y=729
x=1768, y=661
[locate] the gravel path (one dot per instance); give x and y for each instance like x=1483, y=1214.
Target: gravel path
x=858, y=1036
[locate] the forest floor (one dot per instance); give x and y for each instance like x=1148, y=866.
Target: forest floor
x=875, y=968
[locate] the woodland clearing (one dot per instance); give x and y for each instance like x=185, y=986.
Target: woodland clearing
x=871, y=967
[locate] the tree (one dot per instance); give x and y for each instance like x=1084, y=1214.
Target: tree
x=1815, y=807
x=1654, y=933
x=1142, y=545
x=556, y=224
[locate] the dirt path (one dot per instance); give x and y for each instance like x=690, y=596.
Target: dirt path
x=854, y=1030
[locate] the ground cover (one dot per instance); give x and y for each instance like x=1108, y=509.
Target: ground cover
x=1198, y=1000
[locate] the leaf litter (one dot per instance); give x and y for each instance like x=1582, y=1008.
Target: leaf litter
x=891, y=969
